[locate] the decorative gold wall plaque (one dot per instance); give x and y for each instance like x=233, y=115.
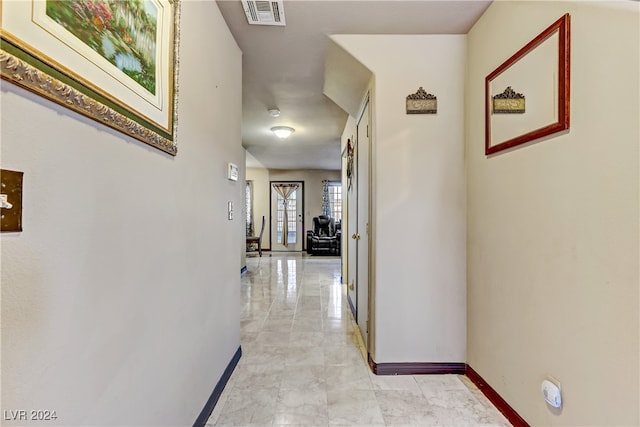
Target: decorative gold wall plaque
x=422, y=102
x=508, y=102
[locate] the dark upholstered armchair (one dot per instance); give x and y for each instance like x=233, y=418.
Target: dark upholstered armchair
x=325, y=236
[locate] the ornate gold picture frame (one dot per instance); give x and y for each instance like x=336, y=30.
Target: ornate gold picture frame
x=114, y=61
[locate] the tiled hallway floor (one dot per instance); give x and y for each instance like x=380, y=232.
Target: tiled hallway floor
x=303, y=362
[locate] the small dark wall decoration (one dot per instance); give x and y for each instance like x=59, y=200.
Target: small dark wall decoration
x=350, y=155
x=422, y=102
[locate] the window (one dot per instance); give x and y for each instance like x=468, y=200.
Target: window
x=249, y=207
x=335, y=199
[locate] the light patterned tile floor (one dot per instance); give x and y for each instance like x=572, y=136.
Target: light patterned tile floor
x=303, y=361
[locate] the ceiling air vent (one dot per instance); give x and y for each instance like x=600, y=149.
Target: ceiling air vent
x=260, y=12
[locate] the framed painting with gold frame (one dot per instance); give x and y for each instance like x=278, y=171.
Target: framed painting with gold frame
x=114, y=61
x=539, y=71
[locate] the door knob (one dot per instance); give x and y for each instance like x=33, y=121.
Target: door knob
x=351, y=286
x=355, y=236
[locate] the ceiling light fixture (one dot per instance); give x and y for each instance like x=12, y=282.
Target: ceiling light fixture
x=282, y=132
x=274, y=112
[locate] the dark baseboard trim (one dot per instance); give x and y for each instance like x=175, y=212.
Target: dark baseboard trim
x=493, y=396
x=217, y=391
x=351, y=306
x=426, y=368
x=417, y=368
x=243, y=270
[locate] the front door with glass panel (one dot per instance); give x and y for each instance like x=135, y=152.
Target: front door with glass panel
x=286, y=216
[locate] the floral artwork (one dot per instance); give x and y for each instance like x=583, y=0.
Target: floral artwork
x=113, y=61
x=121, y=31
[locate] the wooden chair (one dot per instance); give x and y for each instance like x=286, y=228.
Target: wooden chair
x=257, y=240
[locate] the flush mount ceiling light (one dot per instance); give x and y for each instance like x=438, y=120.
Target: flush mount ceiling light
x=274, y=112
x=282, y=132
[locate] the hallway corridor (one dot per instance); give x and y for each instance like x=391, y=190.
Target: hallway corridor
x=303, y=362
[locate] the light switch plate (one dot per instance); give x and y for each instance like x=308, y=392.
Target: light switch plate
x=232, y=172
x=11, y=190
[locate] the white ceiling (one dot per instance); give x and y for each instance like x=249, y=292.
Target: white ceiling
x=284, y=67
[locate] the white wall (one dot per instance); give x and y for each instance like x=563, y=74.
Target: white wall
x=419, y=197
x=553, y=227
x=312, y=188
x=120, y=299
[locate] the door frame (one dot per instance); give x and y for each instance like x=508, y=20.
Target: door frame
x=366, y=227
x=271, y=231
x=369, y=101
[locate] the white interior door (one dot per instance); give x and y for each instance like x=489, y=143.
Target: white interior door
x=362, y=232
x=294, y=211
x=352, y=225
x=357, y=238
